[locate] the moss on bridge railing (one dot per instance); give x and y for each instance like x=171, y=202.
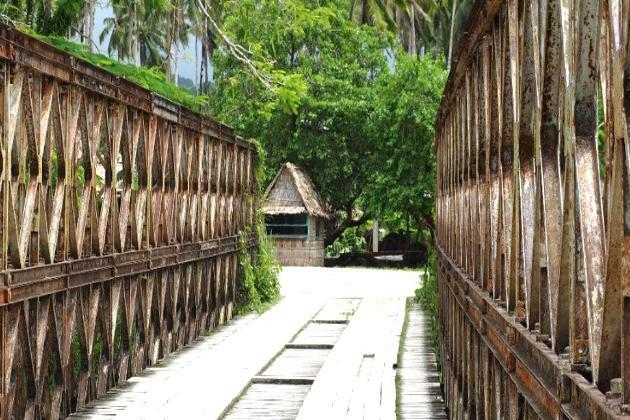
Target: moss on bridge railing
x=149, y=78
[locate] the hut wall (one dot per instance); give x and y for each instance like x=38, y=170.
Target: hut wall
x=307, y=251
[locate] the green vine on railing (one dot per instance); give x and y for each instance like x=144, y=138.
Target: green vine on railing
x=259, y=285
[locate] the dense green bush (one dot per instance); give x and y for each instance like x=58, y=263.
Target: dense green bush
x=258, y=285
x=350, y=240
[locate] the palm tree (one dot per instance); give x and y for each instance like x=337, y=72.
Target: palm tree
x=400, y=16
x=440, y=25
x=430, y=24
x=178, y=28
x=373, y=12
x=87, y=30
x=206, y=36
x=139, y=41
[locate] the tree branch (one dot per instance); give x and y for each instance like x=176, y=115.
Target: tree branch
x=349, y=222
x=238, y=52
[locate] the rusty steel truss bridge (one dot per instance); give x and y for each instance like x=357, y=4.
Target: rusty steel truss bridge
x=120, y=221
x=533, y=212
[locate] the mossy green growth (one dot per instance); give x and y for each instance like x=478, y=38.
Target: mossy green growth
x=258, y=286
x=427, y=297
x=149, y=78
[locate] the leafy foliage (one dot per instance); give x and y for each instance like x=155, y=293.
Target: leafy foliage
x=60, y=17
x=258, y=284
x=349, y=241
x=403, y=122
x=318, y=118
x=136, y=31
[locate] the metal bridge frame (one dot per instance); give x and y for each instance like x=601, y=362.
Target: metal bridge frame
x=121, y=214
x=533, y=231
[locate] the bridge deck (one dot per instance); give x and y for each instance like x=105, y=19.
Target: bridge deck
x=325, y=351
x=418, y=394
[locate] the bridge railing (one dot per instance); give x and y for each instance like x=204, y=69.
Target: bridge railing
x=120, y=220
x=533, y=212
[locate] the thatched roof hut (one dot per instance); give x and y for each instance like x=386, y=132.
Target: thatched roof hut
x=294, y=214
x=292, y=192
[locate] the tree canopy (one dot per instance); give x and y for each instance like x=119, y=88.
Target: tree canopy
x=339, y=87
x=357, y=113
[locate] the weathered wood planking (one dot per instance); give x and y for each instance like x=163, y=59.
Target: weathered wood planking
x=296, y=363
x=318, y=334
x=337, y=310
x=269, y=401
x=279, y=390
x=128, y=400
x=418, y=392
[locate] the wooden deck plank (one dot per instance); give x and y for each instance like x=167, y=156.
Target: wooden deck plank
x=298, y=363
x=319, y=333
x=201, y=383
x=202, y=380
x=419, y=395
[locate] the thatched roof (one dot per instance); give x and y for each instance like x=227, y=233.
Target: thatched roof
x=293, y=192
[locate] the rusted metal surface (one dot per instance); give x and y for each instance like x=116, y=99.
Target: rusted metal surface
x=533, y=212
x=120, y=220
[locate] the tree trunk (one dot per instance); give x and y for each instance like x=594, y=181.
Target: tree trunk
x=133, y=37
x=375, y=235
x=364, y=12
x=450, y=38
x=88, y=23
x=412, y=30
x=346, y=224
x=176, y=67
x=48, y=9
x=170, y=36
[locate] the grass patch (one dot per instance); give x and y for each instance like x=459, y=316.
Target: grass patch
x=149, y=78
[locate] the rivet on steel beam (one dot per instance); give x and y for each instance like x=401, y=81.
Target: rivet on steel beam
x=544, y=338
x=511, y=336
x=511, y=363
x=616, y=386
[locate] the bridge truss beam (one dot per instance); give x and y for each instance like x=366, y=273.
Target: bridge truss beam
x=533, y=212
x=121, y=214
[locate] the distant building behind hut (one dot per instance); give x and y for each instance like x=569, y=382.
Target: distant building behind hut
x=295, y=216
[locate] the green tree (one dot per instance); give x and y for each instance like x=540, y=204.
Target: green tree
x=440, y=25
x=136, y=31
x=48, y=17
x=408, y=100
x=432, y=25
x=325, y=130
